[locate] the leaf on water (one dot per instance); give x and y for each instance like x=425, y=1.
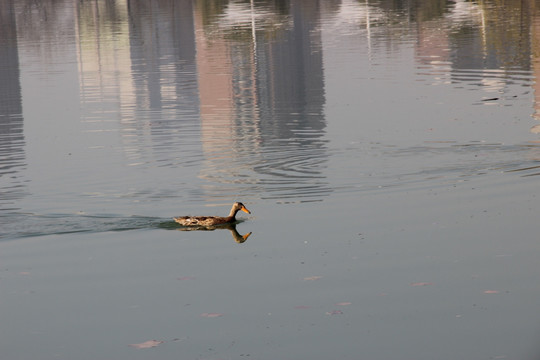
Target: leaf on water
x=312, y=278
x=345, y=303
x=491, y=292
x=211, y=315
x=334, y=312
x=421, y=284
x=147, y=344
x=186, y=278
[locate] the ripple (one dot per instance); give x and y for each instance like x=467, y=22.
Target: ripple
x=436, y=164
x=12, y=160
x=18, y=225
x=281, y=168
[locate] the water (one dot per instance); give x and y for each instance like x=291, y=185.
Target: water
x=388, y=152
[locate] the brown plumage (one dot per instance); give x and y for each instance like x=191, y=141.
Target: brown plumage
x=212, y=220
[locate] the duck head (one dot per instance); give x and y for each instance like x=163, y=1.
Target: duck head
x=239, y=206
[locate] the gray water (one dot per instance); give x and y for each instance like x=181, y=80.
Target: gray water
x=388, y=152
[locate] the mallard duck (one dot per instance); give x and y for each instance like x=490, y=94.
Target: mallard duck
x=212, y=220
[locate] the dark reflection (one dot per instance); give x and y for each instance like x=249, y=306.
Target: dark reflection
x=12, y=141
x=231, y=227
x=40, y=22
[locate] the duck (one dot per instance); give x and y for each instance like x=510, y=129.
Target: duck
x=212, y=220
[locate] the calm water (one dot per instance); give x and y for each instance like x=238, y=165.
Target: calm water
x=388, y=152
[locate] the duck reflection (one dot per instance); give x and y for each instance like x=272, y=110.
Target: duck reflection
x=239, y=238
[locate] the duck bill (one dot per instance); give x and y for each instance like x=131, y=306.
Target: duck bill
x=244, y=209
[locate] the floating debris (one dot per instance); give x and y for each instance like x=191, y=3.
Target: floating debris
x=147, y=344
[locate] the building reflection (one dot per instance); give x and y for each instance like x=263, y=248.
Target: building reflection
x=240, y=84
x=535, y=60
x=12, y=141
x=457, y=41
x=262, y=101
x=478, y=50
x=471, y=46
x=176, y=71
x=147, y=68
x=247, y=77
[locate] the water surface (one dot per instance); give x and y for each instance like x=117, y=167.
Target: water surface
x=388, y=152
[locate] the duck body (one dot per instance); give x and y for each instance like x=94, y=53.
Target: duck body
x=205, y=221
